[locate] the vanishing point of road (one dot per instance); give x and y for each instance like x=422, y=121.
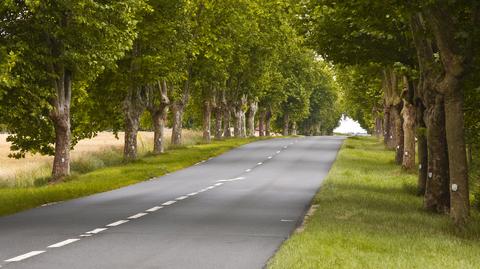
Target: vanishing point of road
x=232, y=211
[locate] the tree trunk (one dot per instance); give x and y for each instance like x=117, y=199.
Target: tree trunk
x=207, y=111
x=243, y=125
x=218, y=123
x=286, y=124
x=227, y=132
x=422, y=149
x=294, y=128
x=388, y=128
x=398, y=134
x=130, y=151
x=177, y=111
x=261, y=123
x=60, y=116
x=437, y=196
x=237, y=122
x=251, y=118
x=458, y=171
x=268, y=119
x=159, y=118
x=408, y=113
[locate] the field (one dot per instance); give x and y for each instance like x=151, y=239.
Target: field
x=369, y=217
x=103, y=150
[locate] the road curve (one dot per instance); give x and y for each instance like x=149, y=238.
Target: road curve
x=232, y=211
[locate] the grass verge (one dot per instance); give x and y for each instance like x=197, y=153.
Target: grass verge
x=369, y=217
x=16, y=199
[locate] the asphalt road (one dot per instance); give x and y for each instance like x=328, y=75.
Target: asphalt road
x=232, y=211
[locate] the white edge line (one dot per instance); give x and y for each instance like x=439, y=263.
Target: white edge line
x=25, y=256
x=136, y=216
x=120, y=222
x=63, y=243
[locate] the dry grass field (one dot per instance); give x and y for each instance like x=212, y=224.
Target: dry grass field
x=25, y=171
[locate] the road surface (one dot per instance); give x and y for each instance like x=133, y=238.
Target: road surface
x=232, y=211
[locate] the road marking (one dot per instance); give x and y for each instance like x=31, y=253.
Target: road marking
x=182, y=198
x=85, y=235
x=287, y=220
x=153, y=209
x=285, y=147
x=139, y=215
x=219, y=184
x=96, y=231
x=269, y=157
x=210, y=187
x=63, y=243
x=248, y=170
x=25, y=256
x=278, y=152
x=120, y=222
x=260, y=163
x=232, y=179
x=192, y=194
x=169, y=203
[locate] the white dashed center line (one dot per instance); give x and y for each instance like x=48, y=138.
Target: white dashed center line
x=96, y=231
x=182, y=198
x=269, y=157
x=25, y=256
x=120, y=222
x=63, y=243
x=192, y=194
x=278, y=152
x=260, y=163
x=248, y=170
x=153, y=209
x=169, y=203
x=139, y=215
x=219, y=184
x=209, y=188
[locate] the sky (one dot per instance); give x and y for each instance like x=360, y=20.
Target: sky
x=348, y=125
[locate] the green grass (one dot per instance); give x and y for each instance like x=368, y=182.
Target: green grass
x=15, y=199
x=369, y=217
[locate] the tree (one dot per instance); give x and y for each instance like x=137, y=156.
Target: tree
x=61, y=46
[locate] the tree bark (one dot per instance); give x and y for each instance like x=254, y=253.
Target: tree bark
x=268, y=119
x=398, y=134
x=133, y=107
x=157, y=105
x=178, y=107
x=207, y=111
x=387, y=128
x=227, y=132
x=286, y=124
x=60, y=116
x=159, y=120
x=251, y=118
x=294, y=128
x=408, y=113
x=437, y=196
x=218, y=123
x=237, y=122
x=458, y=170
x=261, y=123
x=177, y=111
x=422, y=148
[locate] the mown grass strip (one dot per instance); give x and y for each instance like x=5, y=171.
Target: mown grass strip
x=369, y=217
x=17, y=199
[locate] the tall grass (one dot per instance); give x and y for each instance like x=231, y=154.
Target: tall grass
x=83, y=162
